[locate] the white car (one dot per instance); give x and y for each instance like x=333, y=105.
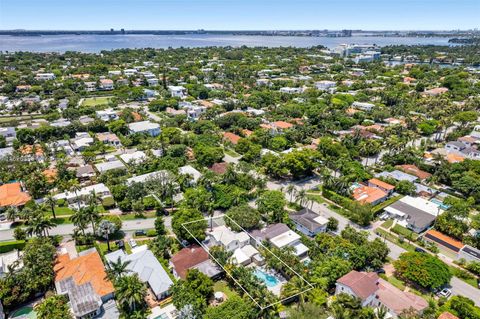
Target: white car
x=445, y=293
x=132, y=243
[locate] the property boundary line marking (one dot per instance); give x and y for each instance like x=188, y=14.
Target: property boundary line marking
x=311, y=286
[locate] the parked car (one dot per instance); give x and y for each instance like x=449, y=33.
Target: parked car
x=420, y=250
x=140, y=233
x=445, y=292
x=380, y=271
x=132, y=243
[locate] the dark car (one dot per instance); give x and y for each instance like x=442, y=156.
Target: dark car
x=380, y=271
x=140, y=233
x=420, y=250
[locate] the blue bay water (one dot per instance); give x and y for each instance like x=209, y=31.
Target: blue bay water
x=97, y=43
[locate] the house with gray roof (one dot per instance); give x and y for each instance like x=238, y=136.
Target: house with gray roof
x=309, y=222
x=142, y=262
x=414, y=213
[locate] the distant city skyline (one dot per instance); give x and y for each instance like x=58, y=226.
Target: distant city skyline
x=239, y=14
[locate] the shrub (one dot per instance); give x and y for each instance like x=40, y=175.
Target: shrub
x=108, y=202
x=8, y=246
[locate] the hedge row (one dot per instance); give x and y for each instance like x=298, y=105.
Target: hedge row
x=8, y=246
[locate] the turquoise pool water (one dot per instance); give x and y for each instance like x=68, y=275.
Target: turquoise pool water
x=439, y=203
x=269, y=280
x=24, y=313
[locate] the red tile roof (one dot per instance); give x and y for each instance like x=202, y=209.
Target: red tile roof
x=219, y=168
x=397, y=300
x=282, y=125
x=447, y=315
x=444, y=240
x=13, y=195
x=414, y=170
x=187, y=258
x=363, y=284
x=83, y=269
x=382, y=184
x=367, y=194
x=233, y=138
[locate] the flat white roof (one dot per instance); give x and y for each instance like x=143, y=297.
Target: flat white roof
x=143, y=126
x=285, y=239
x=422, y=204
x=103, y=167
x=137, y=156
x=97, y=188
x=187, y=169
x=145, y=177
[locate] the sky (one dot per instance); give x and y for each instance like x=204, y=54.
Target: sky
x=239, y=14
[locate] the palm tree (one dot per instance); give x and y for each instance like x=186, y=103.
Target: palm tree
x=79, y=219
x=130, y=292
x=291, y=190
x=381, y=312
x=301, y=197
x=11, y=213
x=39, y=226
x=75, y=187
x=339, y=312
x=117, y=269
x=295, y=287
x=50, y=200
x=105, y=229
x=91, y=215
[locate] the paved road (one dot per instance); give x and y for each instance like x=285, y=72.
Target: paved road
x=461, y=288
x=151, y=115
x=67, y=229
x=458, y=286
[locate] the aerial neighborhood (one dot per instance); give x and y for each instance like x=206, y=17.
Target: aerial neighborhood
x=244, y=183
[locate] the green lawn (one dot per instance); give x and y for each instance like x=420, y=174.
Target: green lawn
x=62, y=211
x=394, y=239
x=387, y=224
x=231, y=152
x=94, y=101
x=62, y=220
x=223, y=287
x=133, y=216
x=394, y=281
x=407, y=233
x=316, y=197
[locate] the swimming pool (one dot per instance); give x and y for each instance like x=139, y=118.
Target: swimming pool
x=439, y=203
x=269, y=280
x=24, y=313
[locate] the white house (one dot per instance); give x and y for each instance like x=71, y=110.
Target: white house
x=147, y=127
x=72, y=197
x=134, y=158
x=195, y=111
x=144, y=263
x=290, y=90
x=228, y=239
x=106, y=85
x=189, y=170
x=152, y=82
x=325, y=85
x=44, y=76
x=107, y=115
x=177, y=91
x=363, y=106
